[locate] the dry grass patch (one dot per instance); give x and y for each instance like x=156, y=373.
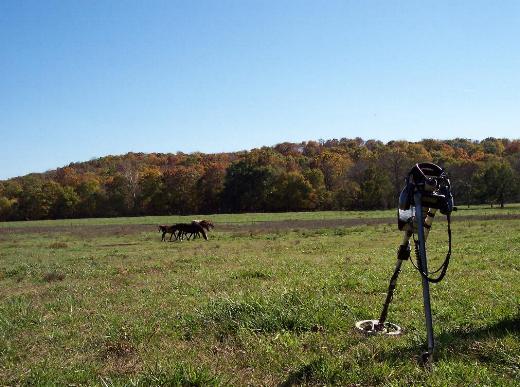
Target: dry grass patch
x=58, y=245
x=53, y=276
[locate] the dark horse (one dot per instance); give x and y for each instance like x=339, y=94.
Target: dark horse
x=192, y=228
x=205, y=224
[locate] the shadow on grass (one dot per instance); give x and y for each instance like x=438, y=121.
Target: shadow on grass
x=317, y=371
x=479, y=344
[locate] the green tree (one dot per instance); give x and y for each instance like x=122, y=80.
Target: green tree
x=151, y=200
x=209, y=188
x=6, y=208
x=66, y=203
x=496, y=183
x=462, y=180
x=248, y=187
x=322, y=197
x=347, y=197
x=493, y=146
x=119, y=199
x=292, y=192
x=92, y=198
x=32, y=203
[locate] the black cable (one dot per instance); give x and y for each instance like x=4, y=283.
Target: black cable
x=444, y=265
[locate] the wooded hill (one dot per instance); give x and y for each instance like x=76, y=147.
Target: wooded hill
x=344, y=174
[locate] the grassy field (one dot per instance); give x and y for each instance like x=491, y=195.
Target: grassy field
x=104, y=302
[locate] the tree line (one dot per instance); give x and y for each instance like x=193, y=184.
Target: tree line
x=344, y=174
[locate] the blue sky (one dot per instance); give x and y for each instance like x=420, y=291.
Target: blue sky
x=83, y=79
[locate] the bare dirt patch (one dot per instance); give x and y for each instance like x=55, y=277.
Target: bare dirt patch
x=85, y=231
x=270, y=226
x=89, y=231
x=118, y=244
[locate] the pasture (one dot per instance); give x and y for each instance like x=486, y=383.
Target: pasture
x=270, y=299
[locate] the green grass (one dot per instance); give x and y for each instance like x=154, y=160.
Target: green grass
x=87, y=306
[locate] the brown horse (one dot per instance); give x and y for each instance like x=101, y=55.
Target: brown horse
x=168, y=230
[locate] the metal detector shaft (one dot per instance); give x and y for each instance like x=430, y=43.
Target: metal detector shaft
x=424, y=268
x=389, y=295
x=402, y=254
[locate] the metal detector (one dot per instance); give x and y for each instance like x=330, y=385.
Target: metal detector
x=427, y=191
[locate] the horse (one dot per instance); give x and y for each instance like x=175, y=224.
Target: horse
x=192, y=228
x=168, y=230
x=206, y=224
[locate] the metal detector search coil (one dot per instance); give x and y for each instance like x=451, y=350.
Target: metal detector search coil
x=427, y=190
x=371, y=327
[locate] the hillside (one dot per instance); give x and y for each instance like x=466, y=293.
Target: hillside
x=343, y=174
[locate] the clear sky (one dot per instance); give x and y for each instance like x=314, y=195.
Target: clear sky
x=83, y=79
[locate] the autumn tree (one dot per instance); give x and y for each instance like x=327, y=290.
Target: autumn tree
x=397, y=158
x=335, y=166
x=9, y=192
x=179, y=189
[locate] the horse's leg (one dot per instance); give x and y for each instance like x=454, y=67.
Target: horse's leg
x=163, y=239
